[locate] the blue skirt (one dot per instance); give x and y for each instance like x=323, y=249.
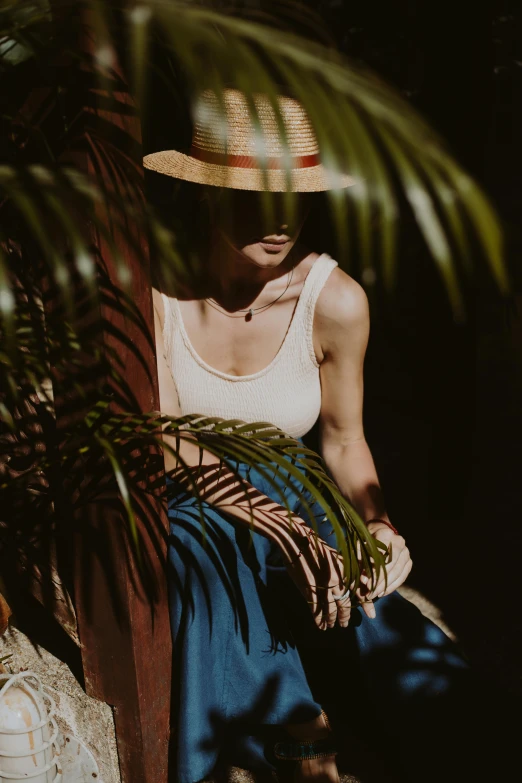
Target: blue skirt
x=243, y=638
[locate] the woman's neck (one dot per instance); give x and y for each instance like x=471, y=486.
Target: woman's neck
x=236, y=279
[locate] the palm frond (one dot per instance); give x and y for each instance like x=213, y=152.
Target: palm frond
x=351, y=110
x=54, y=219
x=331, y=87
x=125, y=440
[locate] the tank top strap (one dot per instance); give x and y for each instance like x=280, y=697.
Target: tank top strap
x=314, y=283
x=169, y=324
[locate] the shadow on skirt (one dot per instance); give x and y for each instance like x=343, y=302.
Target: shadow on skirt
x=248, y=658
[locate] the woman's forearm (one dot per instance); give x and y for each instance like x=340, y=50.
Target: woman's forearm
x=218, y=485
x=353, y=470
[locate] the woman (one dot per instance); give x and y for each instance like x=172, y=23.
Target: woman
x=273, y=333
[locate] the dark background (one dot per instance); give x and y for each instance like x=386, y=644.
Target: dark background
x=443, y=410
x=442, y=403
x=443, y=400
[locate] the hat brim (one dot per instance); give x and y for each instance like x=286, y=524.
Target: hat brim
x=304, y=180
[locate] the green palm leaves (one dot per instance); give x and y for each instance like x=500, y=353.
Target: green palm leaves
x=363, y=127
x=65, y=69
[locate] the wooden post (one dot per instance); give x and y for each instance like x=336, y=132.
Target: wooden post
x=125, y=637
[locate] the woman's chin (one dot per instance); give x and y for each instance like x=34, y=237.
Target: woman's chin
x=266, y=255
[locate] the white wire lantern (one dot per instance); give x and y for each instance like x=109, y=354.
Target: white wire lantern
x=29, y=747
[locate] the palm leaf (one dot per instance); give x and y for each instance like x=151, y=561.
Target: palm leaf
x=337, y=95
x=259, y=444
x=363, y=127
x=352, y=93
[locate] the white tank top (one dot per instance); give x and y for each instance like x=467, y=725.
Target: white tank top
x=286, y=393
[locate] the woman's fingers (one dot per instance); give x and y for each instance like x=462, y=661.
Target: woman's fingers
x=344, y=611
x=316, y=572
x=396, y=577
x=397, y=569
x=331, y=614
x=322, y=616
x=400, y=579
x=323, y=567
x=317, y=610
x=393, y=570
x=343, y=605
x=318, y=619
x=369, y=609
x=322, y=608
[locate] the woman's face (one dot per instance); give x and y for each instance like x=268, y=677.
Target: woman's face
x=262, y=227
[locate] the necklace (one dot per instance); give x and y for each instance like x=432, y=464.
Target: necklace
x=251, y=310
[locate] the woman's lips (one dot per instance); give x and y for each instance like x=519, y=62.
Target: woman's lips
x=274, y=246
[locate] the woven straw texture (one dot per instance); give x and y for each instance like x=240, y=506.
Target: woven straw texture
x=229, y=130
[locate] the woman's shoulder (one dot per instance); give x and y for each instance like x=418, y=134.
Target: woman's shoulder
x=343, y=302
x=342, y=317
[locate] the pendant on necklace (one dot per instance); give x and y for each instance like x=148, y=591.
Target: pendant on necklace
x=249, y=315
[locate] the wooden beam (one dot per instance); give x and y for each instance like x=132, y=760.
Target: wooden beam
x=124, y=634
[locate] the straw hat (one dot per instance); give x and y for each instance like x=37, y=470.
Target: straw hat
x=227, y=151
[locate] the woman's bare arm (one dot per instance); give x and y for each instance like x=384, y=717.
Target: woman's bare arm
x=311, y=563
x=343, y=325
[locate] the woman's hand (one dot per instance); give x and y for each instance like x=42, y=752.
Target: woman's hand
x=399, y=565
x=317, y=570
